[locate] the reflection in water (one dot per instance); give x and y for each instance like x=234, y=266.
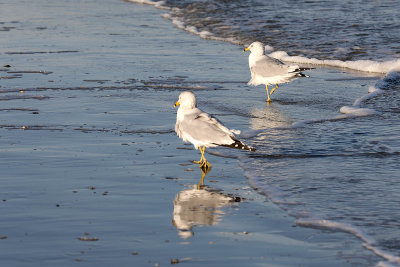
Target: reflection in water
x=198, y=207
x=267, y=118
x=204, y=170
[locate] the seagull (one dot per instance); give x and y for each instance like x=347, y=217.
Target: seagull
x=201, y=129
x=267, y=70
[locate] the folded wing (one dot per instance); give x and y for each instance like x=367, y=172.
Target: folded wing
x=204, y=129
x=270, y=67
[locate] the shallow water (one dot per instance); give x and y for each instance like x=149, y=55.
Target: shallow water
x=324, y=29
x=87, y=145
x=329, y=170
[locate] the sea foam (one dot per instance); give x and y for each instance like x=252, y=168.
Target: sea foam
x=191, y=29
x=180, y=24
x=359, y=65
x=392, y=77
x=356, y=111
x=390, y=68
x=384, y=67
x=157, y=4
x=368, y=242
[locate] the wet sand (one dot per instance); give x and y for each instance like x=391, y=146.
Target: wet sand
x=92, y=172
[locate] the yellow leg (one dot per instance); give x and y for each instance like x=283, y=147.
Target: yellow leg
x=266, y=88
x=203, y=161
x=206, y=164
x=276, y=87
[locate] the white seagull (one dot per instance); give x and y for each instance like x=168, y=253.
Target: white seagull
x=201, y=129
x=267, y=70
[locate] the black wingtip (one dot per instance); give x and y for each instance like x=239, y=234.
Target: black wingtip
x=302, y=75
x=239, y=145
x=299, y=74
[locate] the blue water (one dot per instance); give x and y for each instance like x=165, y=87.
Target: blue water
x=326, y=29
x=94, y=84
x=329, y=170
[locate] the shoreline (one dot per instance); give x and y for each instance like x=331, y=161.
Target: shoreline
x=90, y=172
x=369, y=67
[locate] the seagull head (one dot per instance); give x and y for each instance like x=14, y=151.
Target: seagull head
x=256, y=48
x=187, y=100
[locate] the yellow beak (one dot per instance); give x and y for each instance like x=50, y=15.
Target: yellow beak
x=246, y=49
x=176, y=104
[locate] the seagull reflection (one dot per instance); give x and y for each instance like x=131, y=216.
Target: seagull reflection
x=268, y=118
x=198, y=207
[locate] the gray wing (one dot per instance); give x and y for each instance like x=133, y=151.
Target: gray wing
x=204, y=128
x=269, y=67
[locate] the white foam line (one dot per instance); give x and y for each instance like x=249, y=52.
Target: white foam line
x=368, y=242
x=391, y=68
x=192, y=29
x=304, y=220
x=360, y=65
x=348, y=111
x=157, y=4
x=354, y=111
x=372, y=92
